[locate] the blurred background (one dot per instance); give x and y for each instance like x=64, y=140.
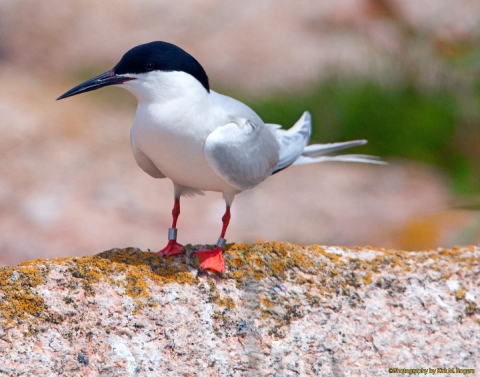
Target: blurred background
x=401, y=73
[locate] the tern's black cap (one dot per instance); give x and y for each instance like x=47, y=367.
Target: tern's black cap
x=161, y=56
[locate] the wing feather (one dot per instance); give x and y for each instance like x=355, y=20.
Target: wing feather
x=293, y=141
x=243, y=155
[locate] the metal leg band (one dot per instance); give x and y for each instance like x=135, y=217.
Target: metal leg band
x=221, y=242
x=172, y=234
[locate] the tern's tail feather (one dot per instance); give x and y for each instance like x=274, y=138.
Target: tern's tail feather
x=313, y=153
x=319, y=149
x=343, y=158
x=294, y=150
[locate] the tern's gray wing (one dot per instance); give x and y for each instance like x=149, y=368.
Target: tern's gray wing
x=243, y=155
x=293, y=141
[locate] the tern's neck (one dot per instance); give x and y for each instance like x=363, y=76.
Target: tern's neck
x=159, y=86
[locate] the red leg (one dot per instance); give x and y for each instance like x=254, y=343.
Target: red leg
x=173, y=247
x=213, y=259
x=226, y=221
x=175, y=212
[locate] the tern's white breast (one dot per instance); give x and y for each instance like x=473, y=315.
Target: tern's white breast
x=172, y=136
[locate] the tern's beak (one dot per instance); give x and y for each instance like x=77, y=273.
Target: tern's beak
x=105, y=79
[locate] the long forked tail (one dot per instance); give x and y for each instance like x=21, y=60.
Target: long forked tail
x=294, y=149
x=315, y=153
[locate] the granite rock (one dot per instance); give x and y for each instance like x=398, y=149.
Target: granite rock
x=279, y=310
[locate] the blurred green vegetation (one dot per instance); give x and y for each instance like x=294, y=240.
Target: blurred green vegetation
x=404, y=122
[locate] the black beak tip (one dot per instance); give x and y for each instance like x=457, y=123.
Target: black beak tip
x=100, y=81
x=70, y=93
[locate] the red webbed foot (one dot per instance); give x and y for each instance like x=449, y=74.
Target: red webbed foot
x=172, y=248
x=211, y=259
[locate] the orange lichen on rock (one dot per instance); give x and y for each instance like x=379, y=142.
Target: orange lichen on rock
x=19, y=300
x=460, y=294
x=17, y=297
x=367, y=279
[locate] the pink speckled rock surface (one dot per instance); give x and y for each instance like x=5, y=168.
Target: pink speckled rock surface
x=279, y=310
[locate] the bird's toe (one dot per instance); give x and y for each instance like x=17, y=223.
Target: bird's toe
x=211, y=260
x=172, y=248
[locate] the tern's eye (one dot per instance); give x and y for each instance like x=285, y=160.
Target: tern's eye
x=149, y=66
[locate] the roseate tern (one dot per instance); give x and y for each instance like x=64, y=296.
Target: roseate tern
x=200, y=139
